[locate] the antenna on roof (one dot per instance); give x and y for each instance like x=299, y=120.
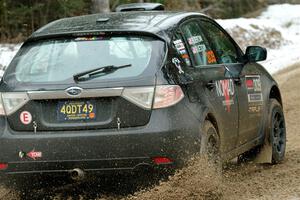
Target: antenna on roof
x=140, y=7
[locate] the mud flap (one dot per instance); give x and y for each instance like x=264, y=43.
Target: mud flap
x=265, y=154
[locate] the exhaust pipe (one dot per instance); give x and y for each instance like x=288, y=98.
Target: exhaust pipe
x=77, y=174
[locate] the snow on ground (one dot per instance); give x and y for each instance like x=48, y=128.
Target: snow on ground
x=7, y=52
x=277, y=29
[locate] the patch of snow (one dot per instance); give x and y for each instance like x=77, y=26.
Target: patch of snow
x=277, y=29
x=7, y=52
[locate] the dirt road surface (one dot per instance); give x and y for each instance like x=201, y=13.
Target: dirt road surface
x=199, y=181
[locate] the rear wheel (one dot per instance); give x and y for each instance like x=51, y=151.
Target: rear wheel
x=210, y=142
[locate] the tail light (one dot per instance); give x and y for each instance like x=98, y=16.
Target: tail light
x=11, y=102
x=167, y=95
x=141, y=96
x=161, y=96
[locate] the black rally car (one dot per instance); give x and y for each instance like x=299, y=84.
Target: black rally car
x=119, y=91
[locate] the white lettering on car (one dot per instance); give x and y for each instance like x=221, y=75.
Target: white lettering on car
x=225, y=88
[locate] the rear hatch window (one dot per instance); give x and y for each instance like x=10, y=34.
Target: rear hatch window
x=56, y=61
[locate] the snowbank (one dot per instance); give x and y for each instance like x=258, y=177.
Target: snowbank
x=7, y=52
x=277, y=29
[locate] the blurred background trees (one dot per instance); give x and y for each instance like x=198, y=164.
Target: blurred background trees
x=19, y=18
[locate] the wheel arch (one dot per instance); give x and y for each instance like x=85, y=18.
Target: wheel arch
x=275, y=94
x=210, y=117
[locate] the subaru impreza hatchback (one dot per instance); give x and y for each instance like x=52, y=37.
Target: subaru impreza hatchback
x=120, y=91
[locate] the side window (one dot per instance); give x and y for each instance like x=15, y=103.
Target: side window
x=198, y=44
x=181, y=50
x=225, y=51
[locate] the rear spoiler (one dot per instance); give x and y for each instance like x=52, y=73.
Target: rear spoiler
x=36, y=37
x=140, y=7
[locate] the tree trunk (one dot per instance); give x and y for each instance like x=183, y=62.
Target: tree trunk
x=101, y=6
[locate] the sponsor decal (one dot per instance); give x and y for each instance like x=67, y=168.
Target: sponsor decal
x=254, y=109
x=255, y=98
x=198, y=48
x=211, y=57
x=185, y=56
x=22, y=154
x=187, y=61
x=179, y=45
x=195, y=39
x=176, y=62
x=249, y=84
x=225, y=88
x=182, y=52
x=253, y=83
x=179, y=41
x=92, y=115
x=25, y=117
x=34, y=154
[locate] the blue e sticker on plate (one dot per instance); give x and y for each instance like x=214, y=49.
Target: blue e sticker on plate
x=76, y=110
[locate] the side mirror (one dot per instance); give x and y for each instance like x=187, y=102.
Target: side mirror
x=256, y=53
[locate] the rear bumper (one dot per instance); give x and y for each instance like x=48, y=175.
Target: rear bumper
x=166, y=135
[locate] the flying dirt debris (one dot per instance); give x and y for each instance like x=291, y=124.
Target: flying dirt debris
x=199, y=180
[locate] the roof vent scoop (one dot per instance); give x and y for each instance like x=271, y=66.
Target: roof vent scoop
x=140, y=7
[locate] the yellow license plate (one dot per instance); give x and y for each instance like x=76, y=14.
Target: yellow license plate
x=76, y=110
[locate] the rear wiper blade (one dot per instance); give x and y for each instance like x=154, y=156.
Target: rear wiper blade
x=87, y=75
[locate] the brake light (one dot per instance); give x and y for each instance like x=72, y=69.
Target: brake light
x=162, y=160
x=3, y=166
x=12, y=101
x=161, y=96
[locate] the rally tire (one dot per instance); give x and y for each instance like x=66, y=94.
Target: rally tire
x=276, y=130
x=210, y=142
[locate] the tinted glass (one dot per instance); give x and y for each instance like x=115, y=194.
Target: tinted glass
x=198, y=44
x=58, y=60
x=223, y=48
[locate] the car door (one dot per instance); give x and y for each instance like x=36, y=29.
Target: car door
x=247, y=80
x=213, y=82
